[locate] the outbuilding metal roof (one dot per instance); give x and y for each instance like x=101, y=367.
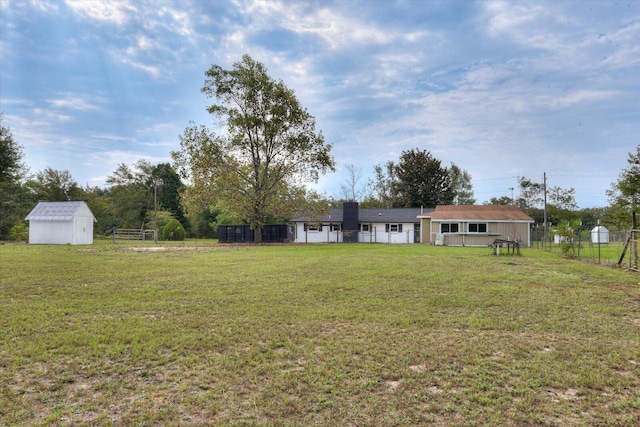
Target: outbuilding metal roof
x=57, y=211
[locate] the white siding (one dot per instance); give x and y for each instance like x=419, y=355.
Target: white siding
x=322, y=236
x=61, y=223
x=82, y=230
x=51, y=232
x=376, y=235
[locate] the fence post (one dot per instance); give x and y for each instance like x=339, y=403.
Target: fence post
x=634, y=236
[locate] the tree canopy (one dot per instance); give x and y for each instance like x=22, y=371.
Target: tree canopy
x=11, y=156
x=132, y=189
x=270, y=147
x=55, y=185
x=15, y=201
x=626, y=191
x=421, y=181
x=561, y=202
x=461, y=186
x=355, y=188
x=385, y=183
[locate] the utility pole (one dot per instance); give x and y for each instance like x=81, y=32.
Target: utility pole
x=156, y=182
x=513, y=202
x=544, y=188
x=155, y=212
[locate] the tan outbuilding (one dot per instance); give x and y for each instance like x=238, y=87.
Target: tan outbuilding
x=475, y=225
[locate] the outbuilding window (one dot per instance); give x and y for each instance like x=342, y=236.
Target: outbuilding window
x=313, y=227
x=365, y=227
x=393, y=228
x=477, y=227
x=449, y=227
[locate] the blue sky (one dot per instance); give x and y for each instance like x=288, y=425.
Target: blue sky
x=502, y=89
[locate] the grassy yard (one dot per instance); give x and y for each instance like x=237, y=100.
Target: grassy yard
x=314, y=335
x=607, y=254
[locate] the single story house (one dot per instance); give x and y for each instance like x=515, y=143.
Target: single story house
x=354, y=224
x=61, y=223
x=475, y=225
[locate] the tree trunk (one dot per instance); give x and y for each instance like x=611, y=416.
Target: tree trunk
x=257, y=234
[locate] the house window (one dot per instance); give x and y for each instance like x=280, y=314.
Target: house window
x=478, y=227
x=335, y=227
x=393, y=228
x=450, y=227
x=365, y=227
x=314, y=227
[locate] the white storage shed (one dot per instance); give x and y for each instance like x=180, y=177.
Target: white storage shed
x=61, y=223
x=599, y=234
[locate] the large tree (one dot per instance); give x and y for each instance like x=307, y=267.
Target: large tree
x=55, y=185
x=168, y=190
x=625, y=193
x=355, y=188
x=461, y=186
x=11, y=156
x=531, y=193
x=15, y=202
x=270, y=147
x=384, y=185
x=561, y=203
x=503, y=200
x=131, y=192
x=421, y=181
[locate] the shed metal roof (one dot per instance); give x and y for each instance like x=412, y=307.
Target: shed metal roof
x=57, y=211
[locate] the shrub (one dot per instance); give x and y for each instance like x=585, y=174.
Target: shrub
x=158, y=218
x=173, y=231
x=567, y=236
x=19, y=232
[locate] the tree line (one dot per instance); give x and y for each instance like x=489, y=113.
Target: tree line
x=256, y=171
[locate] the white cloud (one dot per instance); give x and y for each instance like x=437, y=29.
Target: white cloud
x=116, y=12
x=532, y=24
x=115, y=157
x=336, y=29
x=43, y=5
x=152, y=70
x=50, y=115
x=180, y=22
x=72, y=103
x=109, y=137
x=580, y=97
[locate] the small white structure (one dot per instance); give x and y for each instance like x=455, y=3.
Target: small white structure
x=599, y=234
x=61, y=223
x=557, y=238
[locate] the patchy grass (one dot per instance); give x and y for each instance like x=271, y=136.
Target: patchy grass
x=605, y=253
x=318, y=334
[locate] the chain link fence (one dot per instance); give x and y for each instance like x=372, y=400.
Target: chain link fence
x=582, y=244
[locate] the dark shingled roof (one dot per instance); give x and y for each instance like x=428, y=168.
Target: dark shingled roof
x=386, y=215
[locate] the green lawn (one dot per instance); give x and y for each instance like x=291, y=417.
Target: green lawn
x=607, y=254
x=332, y=334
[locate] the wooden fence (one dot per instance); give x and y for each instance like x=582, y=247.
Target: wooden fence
x=632, y=251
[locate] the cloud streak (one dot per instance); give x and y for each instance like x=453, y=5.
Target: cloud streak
x=503, y=89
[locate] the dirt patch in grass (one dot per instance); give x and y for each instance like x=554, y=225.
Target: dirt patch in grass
x=172, y=248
